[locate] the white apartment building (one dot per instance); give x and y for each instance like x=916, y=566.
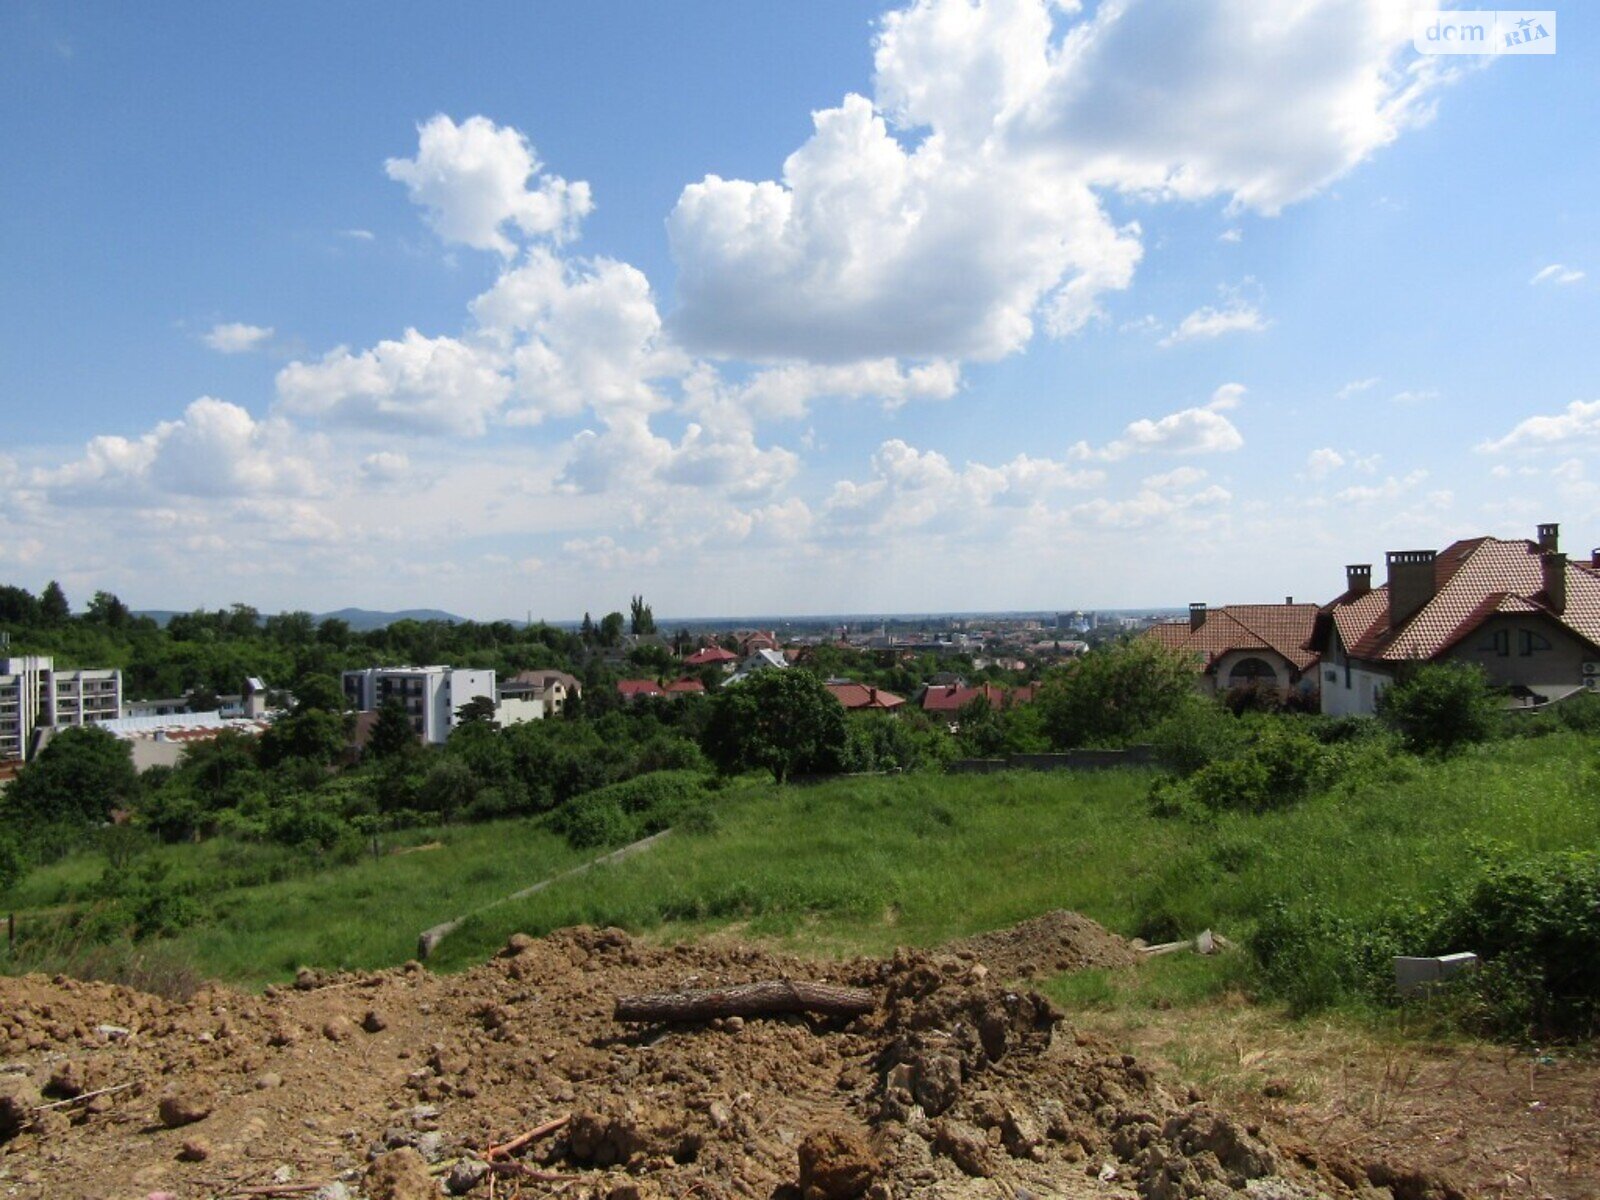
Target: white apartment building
x=430, y=695
x=34, y=695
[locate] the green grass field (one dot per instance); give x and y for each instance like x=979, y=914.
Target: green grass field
x=863, y=865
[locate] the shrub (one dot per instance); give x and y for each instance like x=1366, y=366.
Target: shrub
x=1115, y=694
x=1536, y=923
x=624, y=812
x=1441, y=707
x=1277, y=770
x=1198, y=734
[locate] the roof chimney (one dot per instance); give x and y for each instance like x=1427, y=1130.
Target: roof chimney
x=1411, y=583
x=1197, y=616
x=1555, y=579
x=1550, y=537
x=1288, y=599
x=1594, y=558
x=1358, y=579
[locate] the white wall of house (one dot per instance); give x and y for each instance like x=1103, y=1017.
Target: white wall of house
x=517, y=710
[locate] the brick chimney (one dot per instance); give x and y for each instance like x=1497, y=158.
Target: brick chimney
x=1594, y=558
x=1358, y=579
x=1555, y=579
x=1550, y=538
x=1411, y=583
x=1197, y=616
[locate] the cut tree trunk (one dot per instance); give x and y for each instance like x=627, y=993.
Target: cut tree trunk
x=770, y=998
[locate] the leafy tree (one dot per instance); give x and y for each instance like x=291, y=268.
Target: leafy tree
x=1114, y=694
x=1441, y=707
x=333, y=631
x=644, y=620
x=291, y=628
x=77, y=779
x=204, y=699
x=316, y=731
x=106, y=609
x=53, y=606
x=587, y=631
x=18, y=606
x=477, y=711
x=392, y=734
x=610, y=629
x=785, y=722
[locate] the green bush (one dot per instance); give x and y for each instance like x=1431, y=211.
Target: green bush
x=1441, y=707
x=1201, y=732
x=1277, y=770
x=1536, y=923
x=624, y=812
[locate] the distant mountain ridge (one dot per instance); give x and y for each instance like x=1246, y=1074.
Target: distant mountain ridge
x=363, y=619
x=360, y=619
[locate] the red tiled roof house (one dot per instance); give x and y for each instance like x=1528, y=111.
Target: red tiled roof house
x=1517, y=608
x=1261, y=646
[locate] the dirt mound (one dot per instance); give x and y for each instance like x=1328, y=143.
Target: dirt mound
x=954, y=1086
x=1046, y=945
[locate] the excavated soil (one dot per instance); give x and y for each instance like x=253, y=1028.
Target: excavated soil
x=1047, y=945
x=393, y=1085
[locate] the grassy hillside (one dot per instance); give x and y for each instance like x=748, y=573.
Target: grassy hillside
x=862, y=865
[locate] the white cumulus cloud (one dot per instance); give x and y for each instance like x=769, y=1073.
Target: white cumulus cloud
x=419, y=384
x=1579, y=422
x=472, y=179
x=237, y=338
x=1198, y=430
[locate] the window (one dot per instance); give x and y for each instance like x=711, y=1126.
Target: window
x=1528, y=641
x=1250, y=670
x=1496, y=641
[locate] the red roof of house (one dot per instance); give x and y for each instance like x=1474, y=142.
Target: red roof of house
x=1283, y=628
x=952, y=697
x=709, y=656
x=685, y=687
x=856, y=696
x=1474, y=579
x=630, y=689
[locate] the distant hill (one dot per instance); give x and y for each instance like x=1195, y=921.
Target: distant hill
x=363, y=619
x=360, y=619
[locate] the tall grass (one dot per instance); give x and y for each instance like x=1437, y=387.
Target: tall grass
x=861, y=865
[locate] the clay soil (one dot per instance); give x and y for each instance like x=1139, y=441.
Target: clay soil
x=1485, y=1120
x=395, y=1085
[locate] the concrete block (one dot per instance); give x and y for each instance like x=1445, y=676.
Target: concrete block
x=1418, y=976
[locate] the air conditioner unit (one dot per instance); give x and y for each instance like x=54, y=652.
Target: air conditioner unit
x=1592, y=682
x=1591, y=668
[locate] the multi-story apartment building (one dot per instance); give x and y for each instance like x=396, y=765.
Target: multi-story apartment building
x=35, y=695
x=431, y=695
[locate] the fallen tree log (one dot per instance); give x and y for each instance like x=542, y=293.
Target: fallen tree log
x=769, y=998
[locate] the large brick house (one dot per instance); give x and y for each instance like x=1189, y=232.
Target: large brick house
x=1517, y=608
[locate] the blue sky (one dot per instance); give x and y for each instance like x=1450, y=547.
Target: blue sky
x=751, y=308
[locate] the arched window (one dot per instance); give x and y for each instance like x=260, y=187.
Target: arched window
x=1251, y=670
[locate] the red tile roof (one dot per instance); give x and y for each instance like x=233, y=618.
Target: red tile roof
x=685, y=687
x=632, y=689
x=1474, y=579
x=710, y=656
x=1284, y=628
x=952, y=697
x=856, y=696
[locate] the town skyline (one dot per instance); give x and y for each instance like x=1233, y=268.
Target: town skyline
x=860, y=309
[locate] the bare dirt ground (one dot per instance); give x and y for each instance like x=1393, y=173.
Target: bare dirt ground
x=1485, y=1120
x=395, y=1085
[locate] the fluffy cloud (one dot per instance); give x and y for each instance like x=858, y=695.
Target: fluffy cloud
x=1557, y=275
x=1391, y=489
x=866, y=250
x=957, y=244
x=1323, y=462
x=628, y=455
x=419, y=384
x=1579, y=422
x=472, y=179
x=911, y=488
x=385, y=466
x=1200, y=430
x=236, y=338
x=578, y=335
x=1356, y=386
x=215, y=449
x=1236, y=316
